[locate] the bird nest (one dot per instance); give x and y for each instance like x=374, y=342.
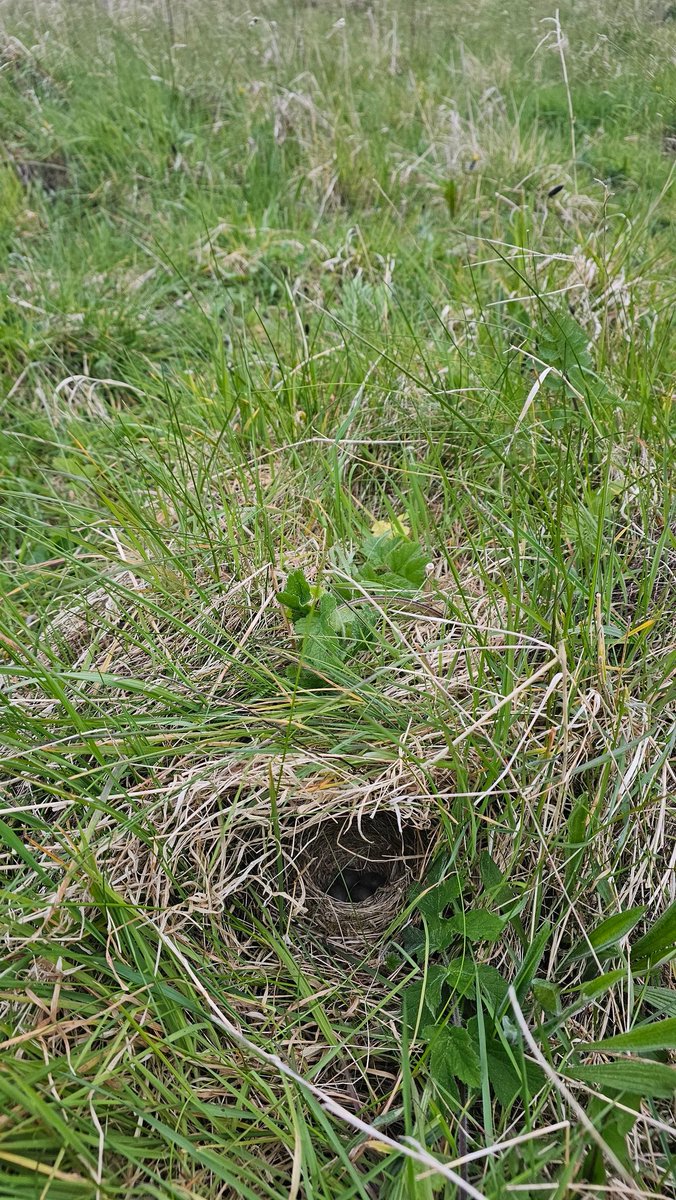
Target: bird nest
x=356, y=873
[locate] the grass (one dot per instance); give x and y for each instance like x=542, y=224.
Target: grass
x=271, y=277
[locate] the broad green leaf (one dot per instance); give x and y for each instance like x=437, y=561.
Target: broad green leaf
x=323, y=649
x=431, y=987
x=610, y=931
x=296, y=594
x=460, y=976
x=576, y=837
x=433, y=984
x=433, y=903
x=394, y=562
x=646, y=1079
x=491, y=875
x=477, y=925
x=563, y=343
x=659, y=942
x=614, y=1125
x=644, y=1039
x=412, y=1010
x=454, y=1054
x=547, y=995
x=495, y=883
x=506, y=1081
x=493, y=986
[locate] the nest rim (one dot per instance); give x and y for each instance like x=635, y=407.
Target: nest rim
x=334, y=845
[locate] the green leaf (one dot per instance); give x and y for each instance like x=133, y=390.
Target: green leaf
x=429, y=990
x=477, y=925
x=491, y=875
x=645, y=1079
x=602, y=983
x=454, y=1055
x=433, y=901
x=451, y=196
x=462, y=975
x=531, y=961
x=493, y=986
x=394, y=562
x=323, y=649
x=644, y=1039
x=501, y=892
x=547, y=995
x=411, y=1007
x=614, y=1127
x=663, y=999
x=14, y=842
x=610, y=931
x=506, y=1081
x=576, y=837
x=296, y=594
x=432, y=904
x=564, y=344
x=659, y=942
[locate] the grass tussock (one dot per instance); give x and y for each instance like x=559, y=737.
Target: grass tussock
x=336, y=528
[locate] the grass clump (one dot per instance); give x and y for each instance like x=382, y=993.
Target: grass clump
x=336, y=367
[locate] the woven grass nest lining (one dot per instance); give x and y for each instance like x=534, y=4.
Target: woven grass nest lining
x=377, y=842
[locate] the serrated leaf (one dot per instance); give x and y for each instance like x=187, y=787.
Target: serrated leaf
x=429, y=991
x=440, y=933
x=453, y=1054
x=659, y=941
x=610, y=931
x=394, y=563
x=322, y=647
x=504, y=1079
x=645, y=1079
x=493, y=986
x=644, y=1039
x=460, y=976
x=412, y=1000
x=501, y=891
x=564, y=344
x=433, y=901
x=296, y=594
x=477, y=925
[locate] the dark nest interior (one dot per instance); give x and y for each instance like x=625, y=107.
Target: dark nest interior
x=355, y=874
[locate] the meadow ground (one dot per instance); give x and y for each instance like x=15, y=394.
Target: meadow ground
x=335, y=370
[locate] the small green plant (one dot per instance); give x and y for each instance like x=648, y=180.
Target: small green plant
x=460, y=1007
x=334, y=626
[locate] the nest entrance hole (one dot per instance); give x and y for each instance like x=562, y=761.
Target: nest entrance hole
x=356, y=874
